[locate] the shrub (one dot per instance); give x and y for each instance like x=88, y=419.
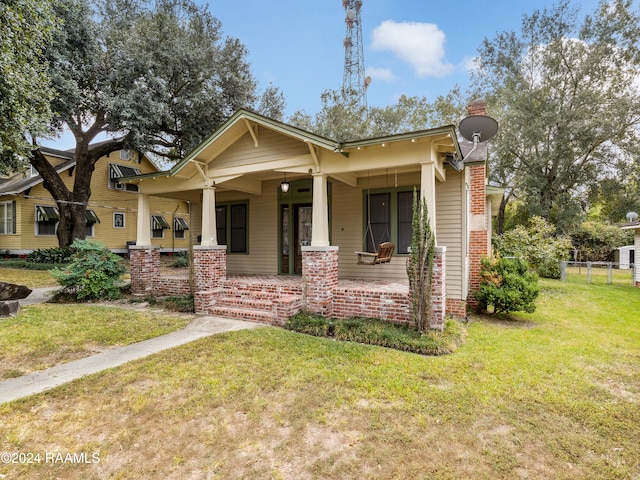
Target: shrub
x=508, y=285
x=537, y=245
x=53, y=255
x=93, y=273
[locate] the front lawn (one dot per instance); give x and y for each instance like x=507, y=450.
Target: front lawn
x=41, y=336
x=30, y=278
x=550, y=395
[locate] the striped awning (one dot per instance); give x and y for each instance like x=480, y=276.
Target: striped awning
x=180, y=224
x=91, y=217
x=158, y=222
x=47, y=214
x=117, y=171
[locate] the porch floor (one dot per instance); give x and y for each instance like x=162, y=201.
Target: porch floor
x=293, y=281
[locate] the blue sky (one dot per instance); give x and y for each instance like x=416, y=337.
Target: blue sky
x=297, y=45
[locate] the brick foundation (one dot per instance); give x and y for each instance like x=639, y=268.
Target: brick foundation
x=320, y=275
x=145, y=268
x=456, y=307
x=209, y=267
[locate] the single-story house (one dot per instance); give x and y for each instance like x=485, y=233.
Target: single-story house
x=625, y=256
x=280, y=213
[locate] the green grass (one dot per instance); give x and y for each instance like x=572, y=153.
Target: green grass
x=45, y=335
x=553, y=394
x=30, y=278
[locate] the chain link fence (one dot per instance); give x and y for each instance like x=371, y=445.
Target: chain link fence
x=605, y=273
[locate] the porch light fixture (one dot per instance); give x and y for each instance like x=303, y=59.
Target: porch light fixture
x=284, y=186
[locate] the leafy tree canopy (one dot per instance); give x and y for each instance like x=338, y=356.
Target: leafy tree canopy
x=156, y=77
x=26, y=28
x=343, y=118
x=565, y=91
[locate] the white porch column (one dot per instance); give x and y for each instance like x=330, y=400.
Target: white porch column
x=143, y=224
x=209, y=235
x=428, y=191
x=320, y=218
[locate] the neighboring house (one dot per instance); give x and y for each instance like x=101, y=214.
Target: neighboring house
x=283, y=212
x=29, y=215
x=636, y=227
x=625, y=256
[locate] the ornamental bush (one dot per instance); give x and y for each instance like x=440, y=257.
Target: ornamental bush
x=508, y=285
x=538, y=244
x=51, y=255
x=93, y=273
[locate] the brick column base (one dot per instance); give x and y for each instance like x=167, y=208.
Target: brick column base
x=320, y=278
x=439, y=289
x=209, y=267
x=145, y=267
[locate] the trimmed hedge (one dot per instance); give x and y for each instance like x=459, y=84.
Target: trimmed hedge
x=381, y=333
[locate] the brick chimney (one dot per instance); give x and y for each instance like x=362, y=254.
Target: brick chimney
x=479, y=235
x=477, y=107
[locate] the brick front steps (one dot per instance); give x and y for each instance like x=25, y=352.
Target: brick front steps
x=252, y=299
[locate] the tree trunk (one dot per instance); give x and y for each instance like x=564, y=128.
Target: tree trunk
x=501, y=212
x=71, y=204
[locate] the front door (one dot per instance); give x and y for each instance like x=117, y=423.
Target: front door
x=295, y=232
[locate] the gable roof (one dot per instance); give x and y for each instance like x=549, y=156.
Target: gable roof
x=244, y=115
x=19, y=184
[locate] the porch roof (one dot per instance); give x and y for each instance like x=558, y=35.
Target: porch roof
x=244, y=121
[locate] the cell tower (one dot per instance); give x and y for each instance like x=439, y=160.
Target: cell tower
x=354, y=79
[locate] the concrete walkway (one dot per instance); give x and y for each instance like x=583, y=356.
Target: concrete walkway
x=46, y=379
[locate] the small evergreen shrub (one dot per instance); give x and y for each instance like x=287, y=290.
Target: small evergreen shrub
x=93, y=273
x=53, y=255
x=181, y=261
x=508, y=285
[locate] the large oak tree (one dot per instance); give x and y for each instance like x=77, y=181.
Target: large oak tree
x=25, y=28
x=155, y=77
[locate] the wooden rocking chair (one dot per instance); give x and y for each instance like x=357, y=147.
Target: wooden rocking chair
x=383, y=255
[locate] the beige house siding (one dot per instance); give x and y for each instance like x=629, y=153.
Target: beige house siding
x=348, y=228
x=262, y=258
x=348, y=224
x=271, y=147
x=450, y=231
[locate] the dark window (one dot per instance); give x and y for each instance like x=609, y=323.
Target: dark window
x=221, y=225
x=158, y=226
x=46, y=220
x=231, y=226
x=238, y=228
x=379, y=215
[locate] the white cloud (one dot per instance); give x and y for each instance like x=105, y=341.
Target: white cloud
x=382, y=74
x=470, y=64
x=421, y=45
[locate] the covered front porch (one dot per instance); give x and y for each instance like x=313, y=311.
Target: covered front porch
x=244, y=224
x=272, y=299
